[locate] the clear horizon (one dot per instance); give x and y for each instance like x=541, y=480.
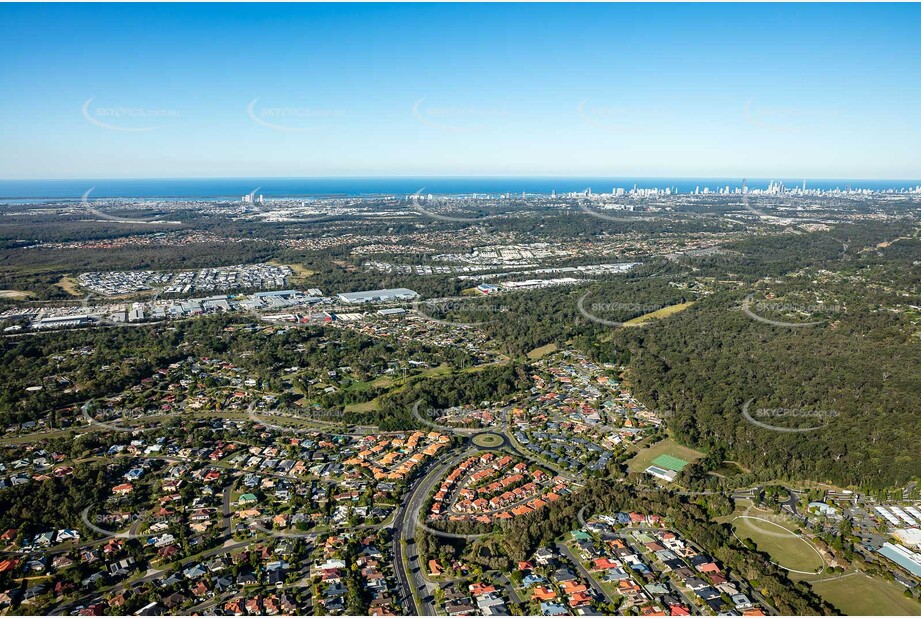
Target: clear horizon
x=419, y=90
x=289, y=187
x=723, y=177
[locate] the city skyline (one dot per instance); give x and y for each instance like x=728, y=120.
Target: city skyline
x=460, y=91
x=484, y=187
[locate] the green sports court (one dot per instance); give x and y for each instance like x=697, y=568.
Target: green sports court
x=670, y=462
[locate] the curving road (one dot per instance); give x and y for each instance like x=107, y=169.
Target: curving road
x=408, y=568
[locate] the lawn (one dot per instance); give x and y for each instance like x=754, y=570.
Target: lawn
x=488, y=440
x=359, y=386
x=860, y=594
x=367, y=406
x=659, y=314
x=394, y=385
x=645, y=457
x=542, y=351
x=779, y=541
x=382, y=382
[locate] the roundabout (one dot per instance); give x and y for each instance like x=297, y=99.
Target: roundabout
x=488, y=440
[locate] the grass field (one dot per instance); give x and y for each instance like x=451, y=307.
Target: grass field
x=542, y=351
x=15, y=294
x=645, y=457
x=394, y=384
x=355, y=387
x=300, y=271
x=659, y=314
x=860, y=594
x=367, y=406
x=478, y=368
x=69, y=285
x=779, y=541
x=670, y=463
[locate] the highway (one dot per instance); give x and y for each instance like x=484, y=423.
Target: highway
x=408, y=570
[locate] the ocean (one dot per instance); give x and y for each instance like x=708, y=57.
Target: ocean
x=211, y=188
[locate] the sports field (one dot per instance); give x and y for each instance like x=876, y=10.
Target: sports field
x=676, y=453
x=774, y=536
x=861, y=595
x=670, y=463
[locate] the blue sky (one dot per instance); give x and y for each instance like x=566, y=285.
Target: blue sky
x=724, y=90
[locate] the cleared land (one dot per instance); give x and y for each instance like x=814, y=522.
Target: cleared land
x=641, y=320
x=300, y=271
x=659, y=314
x=15, y=294
x=861, y=595
x=779, y=541
x=367, y=406
x=69, y=285
x=542, y=351
x=645, y=457
x=382, y=381
x=394, y=384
